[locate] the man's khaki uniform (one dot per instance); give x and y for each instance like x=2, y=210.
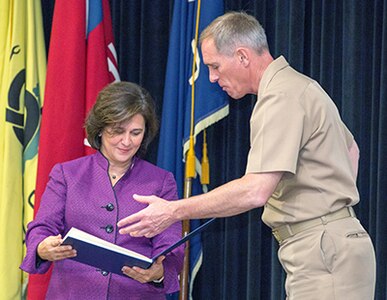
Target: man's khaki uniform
x=296, y=129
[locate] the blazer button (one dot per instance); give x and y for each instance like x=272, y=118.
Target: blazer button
x=109, y=207
x=109, y=228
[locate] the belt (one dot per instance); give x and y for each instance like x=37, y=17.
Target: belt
x=286, y=231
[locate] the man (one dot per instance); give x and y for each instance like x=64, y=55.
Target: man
x=302, y=167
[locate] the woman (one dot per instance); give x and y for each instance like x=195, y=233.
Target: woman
x=93, y=192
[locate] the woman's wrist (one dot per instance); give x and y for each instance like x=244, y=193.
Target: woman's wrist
x=159, y=280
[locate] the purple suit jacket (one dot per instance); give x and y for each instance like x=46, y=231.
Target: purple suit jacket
x=79, y=193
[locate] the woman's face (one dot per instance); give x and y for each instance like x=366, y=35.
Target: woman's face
x=119, y=143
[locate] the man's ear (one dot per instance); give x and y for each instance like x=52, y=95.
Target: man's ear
x=243, y=56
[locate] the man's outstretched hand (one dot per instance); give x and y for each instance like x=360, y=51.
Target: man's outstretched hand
x=151, y=220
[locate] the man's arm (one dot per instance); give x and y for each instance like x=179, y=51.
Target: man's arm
x=235, y=197
x=354, y=154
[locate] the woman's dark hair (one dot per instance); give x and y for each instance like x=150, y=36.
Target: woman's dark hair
x=117, y=103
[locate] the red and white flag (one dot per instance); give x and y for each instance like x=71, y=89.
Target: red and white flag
x=81, y=61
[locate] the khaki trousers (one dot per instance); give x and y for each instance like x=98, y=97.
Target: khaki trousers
x=329, y=262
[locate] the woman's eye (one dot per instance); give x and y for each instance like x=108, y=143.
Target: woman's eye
x=136, y=133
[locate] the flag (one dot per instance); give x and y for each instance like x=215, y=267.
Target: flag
x=81, y=61
x=210, y=105
x=22, y=73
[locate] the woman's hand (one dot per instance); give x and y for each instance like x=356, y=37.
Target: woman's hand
x=50, y=249
x=155, y=272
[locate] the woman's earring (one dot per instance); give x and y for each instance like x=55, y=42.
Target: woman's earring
x=100, y=134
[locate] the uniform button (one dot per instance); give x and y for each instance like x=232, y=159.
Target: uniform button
x=109, y=228
x=104, y=273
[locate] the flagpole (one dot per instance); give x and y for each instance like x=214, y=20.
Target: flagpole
x=184, y=276
x=190, y=170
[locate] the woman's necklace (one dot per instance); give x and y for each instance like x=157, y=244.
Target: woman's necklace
x=115, y=175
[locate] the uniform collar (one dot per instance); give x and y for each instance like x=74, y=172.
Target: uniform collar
x=275, y=66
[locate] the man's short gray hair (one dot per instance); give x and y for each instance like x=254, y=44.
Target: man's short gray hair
x=236, y=29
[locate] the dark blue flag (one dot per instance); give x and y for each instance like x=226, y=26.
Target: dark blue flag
x=211, y=102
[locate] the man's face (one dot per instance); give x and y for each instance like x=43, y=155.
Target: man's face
x=227, y=71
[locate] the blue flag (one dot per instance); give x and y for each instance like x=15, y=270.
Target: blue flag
x=210, y=104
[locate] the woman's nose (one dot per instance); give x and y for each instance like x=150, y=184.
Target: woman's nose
x=127, y=139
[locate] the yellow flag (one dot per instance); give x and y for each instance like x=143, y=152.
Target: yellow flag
x=22, y=78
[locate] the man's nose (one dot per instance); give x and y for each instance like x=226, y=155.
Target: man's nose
x=213, y=77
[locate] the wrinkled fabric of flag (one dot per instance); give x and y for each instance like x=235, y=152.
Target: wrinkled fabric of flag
x=22, y=73
x=210, y=105
x=81, y=61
